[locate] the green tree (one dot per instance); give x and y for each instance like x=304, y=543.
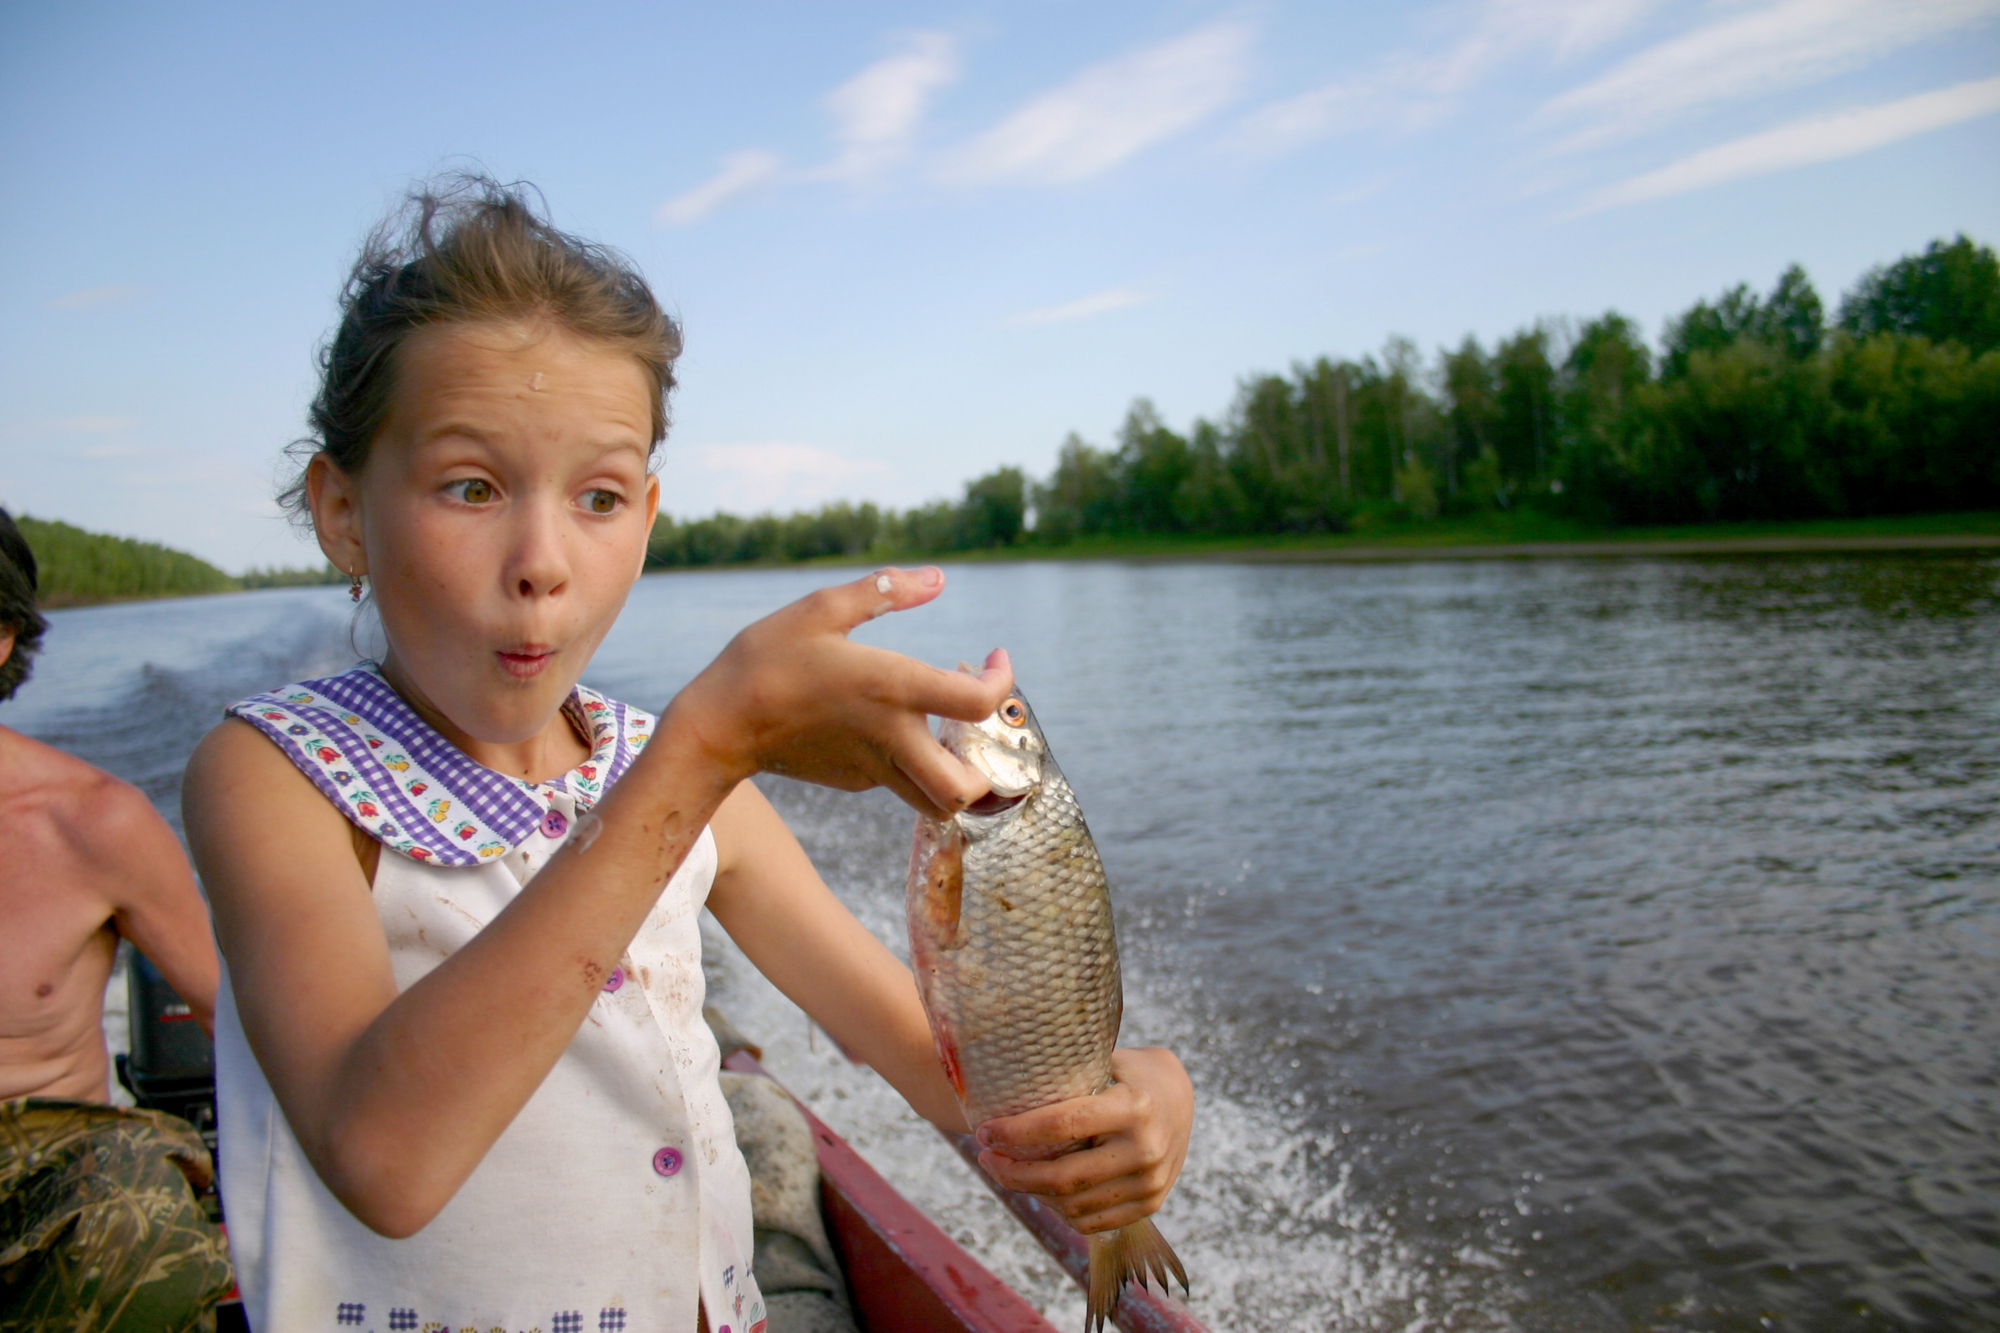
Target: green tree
x=995, y=510
x=1603, y=411
x=1080, y=498
x=1792, y=320
x=1471, y=416
x=1737, y=436
x=1278, y=438
x=1152, y=464
x=1949, y=293
x=928, y=528
x=1524, y=424
x=1913, y=424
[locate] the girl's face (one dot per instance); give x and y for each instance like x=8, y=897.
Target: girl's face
x=502, y=518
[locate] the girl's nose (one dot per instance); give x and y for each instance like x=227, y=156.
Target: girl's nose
x=540, y=565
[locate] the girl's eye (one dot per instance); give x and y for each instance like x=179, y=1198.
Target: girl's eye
x=472, y=490
x=1013, y=714
x=601, y=501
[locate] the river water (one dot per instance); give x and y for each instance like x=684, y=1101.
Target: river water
x=1555, y=945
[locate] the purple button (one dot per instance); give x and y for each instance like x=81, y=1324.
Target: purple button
x=553, y=824
x=667, y=1161
x=616, y=979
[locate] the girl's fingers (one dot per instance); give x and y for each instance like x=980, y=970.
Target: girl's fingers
x=1058, y=1123
x=849, y=605
x=949, y=783
x=1093, y=1189
x=1075, y=1173
x=914, y=796
x=1111, y=1218
x=972, y=698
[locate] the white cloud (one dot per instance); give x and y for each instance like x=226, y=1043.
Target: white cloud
x=741, y=171
x=1111, y=111
x=777, y=474
x=1408, y=90
x=1778, y=46
x=1817, y=139
x=1086, y=307
x=879, y=110
x=96, y=296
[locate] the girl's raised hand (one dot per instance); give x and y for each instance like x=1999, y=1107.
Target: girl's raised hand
x=792, y=694
x=1137, y=1130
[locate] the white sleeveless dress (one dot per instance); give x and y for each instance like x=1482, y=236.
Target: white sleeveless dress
x=617, y=1197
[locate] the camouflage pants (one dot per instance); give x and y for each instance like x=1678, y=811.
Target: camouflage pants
x=100, y=1228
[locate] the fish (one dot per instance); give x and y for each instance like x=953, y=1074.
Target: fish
x=1016, y=959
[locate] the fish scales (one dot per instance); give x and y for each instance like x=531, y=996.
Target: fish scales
x=1016, y=958
x=1032, y=995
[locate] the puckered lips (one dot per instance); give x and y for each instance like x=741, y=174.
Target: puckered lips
x=526, y=660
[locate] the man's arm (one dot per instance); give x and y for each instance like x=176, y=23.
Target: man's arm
x=151, y=889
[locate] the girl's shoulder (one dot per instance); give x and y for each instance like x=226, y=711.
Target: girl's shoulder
x=404, y=784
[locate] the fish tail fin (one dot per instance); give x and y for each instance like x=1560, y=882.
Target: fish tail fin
x=1137, y=1251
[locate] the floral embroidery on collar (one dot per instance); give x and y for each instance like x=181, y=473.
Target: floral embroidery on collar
x=412, y=790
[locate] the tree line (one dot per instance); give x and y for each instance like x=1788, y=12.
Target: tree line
x=1756, y=406
x=78, y=567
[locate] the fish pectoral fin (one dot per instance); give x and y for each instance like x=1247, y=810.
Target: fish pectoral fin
x=942, y=866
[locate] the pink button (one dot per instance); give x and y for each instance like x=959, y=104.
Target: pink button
x=667, y=1161
x=616, y=979
x=553, y=824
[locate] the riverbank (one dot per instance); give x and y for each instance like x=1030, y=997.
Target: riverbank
x=137, y=571
x=78, y=567
x=1498, y=536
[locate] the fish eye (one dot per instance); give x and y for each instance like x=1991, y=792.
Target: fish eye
x=1013, y=714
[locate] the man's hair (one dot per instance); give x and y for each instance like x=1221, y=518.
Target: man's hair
x=465, y=249
x=19, y=580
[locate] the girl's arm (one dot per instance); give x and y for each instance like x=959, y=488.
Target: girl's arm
x=774, y=904
x=397, y=1097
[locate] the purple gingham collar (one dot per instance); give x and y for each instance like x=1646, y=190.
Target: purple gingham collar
x=416, y=793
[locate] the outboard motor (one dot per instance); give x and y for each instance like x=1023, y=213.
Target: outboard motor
x=172, y=1064
x=172, y=1069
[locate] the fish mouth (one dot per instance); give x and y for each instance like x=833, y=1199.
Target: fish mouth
x=994, y=803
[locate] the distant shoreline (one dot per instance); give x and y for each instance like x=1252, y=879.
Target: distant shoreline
x=1524, y=537
x=1519, y=536
x=1613, y=549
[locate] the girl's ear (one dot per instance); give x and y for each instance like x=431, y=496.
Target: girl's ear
x=334, y=497
x=652, y=516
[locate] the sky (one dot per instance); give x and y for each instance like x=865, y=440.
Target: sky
x=910, y=243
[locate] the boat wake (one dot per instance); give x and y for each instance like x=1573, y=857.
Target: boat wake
x=1263, y=1215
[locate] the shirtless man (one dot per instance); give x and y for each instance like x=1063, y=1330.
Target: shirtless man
x=99, y=1224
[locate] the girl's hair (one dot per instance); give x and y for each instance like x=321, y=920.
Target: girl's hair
x=465, y=249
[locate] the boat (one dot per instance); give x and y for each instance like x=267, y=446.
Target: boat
x=904, y=1273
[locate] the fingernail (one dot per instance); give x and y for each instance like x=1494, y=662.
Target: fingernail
x=985, y=1138
x=930, y=576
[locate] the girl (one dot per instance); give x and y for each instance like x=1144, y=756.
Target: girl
x=463, y=1074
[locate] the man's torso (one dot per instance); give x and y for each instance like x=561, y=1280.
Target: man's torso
x=58, y=943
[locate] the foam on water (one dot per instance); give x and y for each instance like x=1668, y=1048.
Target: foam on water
x=1267, y=1242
